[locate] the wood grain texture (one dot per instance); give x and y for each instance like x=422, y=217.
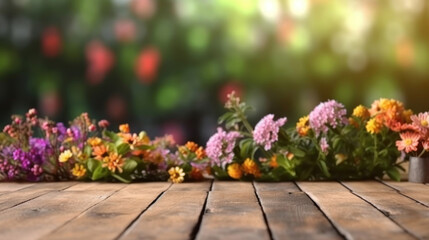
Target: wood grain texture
x=11, y=199
x=409, y=214
x=191, y=186
x=108, y=219
x=12, y=186
x=353, y=217
x=173, y=216
x=292, y=215
x=276, y=186
x=417, y=191
x=230, y=186
x=368, y=186
x=233, y=213
x=35, y=218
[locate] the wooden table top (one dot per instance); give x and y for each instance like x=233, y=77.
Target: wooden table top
x=215, y=210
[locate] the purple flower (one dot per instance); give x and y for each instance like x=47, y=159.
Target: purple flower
x=324, y=145
x=267, y=130
x=330, y=113
x=220, y=147
x=62, y=131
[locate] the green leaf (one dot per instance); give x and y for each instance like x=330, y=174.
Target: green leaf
x=225, y=117
x=144, y=147
x=245, y=146
x=393, y=173
x=113, y=136
x=92, y=164
x=123, y=148
x=130, y=165
x=100, y=172
x=120, y=178
x=297, y=152
x=324, y=168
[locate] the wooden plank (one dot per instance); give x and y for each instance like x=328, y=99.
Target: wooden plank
x=276, y=186
x=191, y=186
x=15, y=198
x=173, y=216
x=13, y=186
x=368, y=186
x=231, y=186
x=409, y=214
x=292, y=215
x=234, y=214
x=353, y=217
x=417, y=191
x=108, y=219
x=35, y=218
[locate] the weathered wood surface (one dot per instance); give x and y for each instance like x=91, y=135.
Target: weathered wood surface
x=215, y=210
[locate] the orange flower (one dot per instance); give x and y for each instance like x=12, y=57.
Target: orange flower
x=273, y=162
x=124, y=128
x=250, y=167
x=192, y=146
x=200, y=153
x=99, y=152
x=196, y=174
x=409, y=142
x=113, y=162
x=79, y=170
x=234, y=171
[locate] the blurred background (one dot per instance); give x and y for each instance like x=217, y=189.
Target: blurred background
x=166, y=66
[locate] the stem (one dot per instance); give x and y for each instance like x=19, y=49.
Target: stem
x=423, y=152
x=244, y=120
x=375, y=148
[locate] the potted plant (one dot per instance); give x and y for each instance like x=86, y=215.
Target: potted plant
x=415, y=143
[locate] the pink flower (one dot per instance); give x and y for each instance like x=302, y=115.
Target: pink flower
x=266, y=131
x=324, y=145
x=409, y=142
x=327, y=114
x=421, y=121
x=220, y=147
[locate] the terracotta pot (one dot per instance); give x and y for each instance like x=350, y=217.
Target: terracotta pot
x=419, y=170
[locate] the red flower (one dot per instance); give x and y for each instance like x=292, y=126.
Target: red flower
x=147, y=65
x=51, y=42
x=100, y=61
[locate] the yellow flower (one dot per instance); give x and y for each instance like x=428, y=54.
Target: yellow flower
x=361, y=112
x=339, y=157
x=373, y=126
x=79, y=170
x=65, y=156
x=302, y=126
x=124, y=128
x=250, y=167
x=234, y=171
x=176, y=174
x=94, y=141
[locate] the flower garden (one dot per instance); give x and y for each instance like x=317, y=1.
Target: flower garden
x=327, y=144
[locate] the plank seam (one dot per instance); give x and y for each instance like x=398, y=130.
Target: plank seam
x=403, y=194
x=385, y=213
x=134, y=221
x=83, y=212
x=334, y=225
x=42, y=194
x=197, y=226
x=270, y=233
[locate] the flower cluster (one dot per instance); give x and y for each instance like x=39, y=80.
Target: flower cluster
x=327, y=114
x=86, y=150
x=415, y=135
x=326, y=144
